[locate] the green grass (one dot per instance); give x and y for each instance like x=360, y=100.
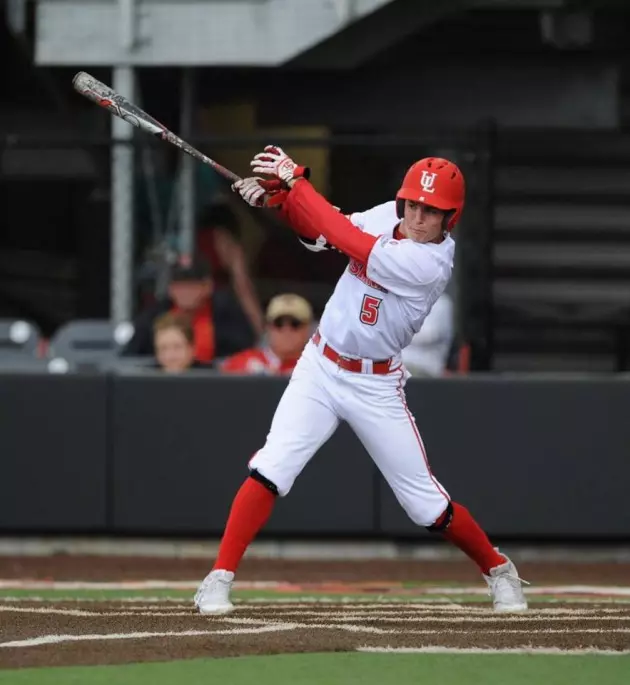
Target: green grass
x=345, y=668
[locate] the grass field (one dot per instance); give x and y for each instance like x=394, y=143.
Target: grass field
x=350, y=668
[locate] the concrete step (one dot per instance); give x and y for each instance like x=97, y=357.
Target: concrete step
x=562, y=216
x=614, y=293
x=544, y=181
x=585, y=255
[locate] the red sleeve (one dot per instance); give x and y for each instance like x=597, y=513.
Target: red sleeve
x=303, y=231
x=309, y=212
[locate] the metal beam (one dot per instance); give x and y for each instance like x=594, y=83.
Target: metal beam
x=122, y=205
x=16, y=15
x=189, y=32
x=187, y=173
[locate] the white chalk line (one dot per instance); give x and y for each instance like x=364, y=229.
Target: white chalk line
x=490, y=617
x=429, y=631
x=489, y=650
x=249, y=625
x=435, y=631
x=18, y=584
x=57, y=639
x=465, y=611
x=155, y=604
x=95, y=614
x=296, y=601
x=277, y=627
x=410, y=616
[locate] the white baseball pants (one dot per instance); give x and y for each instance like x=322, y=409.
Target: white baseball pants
x=318, y=397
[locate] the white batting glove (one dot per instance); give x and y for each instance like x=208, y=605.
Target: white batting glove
x=275, y=162
x=250, y=190
x=260, y=192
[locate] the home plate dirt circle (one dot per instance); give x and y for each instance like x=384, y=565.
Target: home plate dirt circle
x=67, y=633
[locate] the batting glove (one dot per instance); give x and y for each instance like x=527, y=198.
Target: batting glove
x=258, y=192
x=273, y=161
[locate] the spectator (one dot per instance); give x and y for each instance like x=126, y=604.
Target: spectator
x=218, y=241
x=289, y=322
x=174, y=343
x=427, y=354
x=219, y=326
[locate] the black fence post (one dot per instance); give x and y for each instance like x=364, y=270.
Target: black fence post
x=474, y=255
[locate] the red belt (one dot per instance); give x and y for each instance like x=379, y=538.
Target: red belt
x=349, y=364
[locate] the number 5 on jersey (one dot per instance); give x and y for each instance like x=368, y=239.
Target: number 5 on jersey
x=370, y=309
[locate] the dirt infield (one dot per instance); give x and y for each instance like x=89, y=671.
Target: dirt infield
x=52, y=632
x=45, y=634
x=65, y=567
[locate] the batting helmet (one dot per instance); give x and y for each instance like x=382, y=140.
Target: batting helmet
x=435, y=182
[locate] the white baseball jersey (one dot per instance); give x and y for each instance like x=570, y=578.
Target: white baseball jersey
x=377, y=308
x=373, y=314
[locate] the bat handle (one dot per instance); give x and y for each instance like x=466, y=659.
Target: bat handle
x=226, y=173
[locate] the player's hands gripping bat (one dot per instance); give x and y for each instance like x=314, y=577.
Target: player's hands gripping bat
x=273, y=161
x=258, y=192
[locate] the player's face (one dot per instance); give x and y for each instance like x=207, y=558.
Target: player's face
x=173, y=351
x=421, y=222
x=287, y=336
x=190, y=295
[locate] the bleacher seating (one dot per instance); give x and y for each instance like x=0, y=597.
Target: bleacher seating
x=93, y=343
x=561, y=276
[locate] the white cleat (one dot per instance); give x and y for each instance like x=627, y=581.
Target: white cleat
x=213, y=596
x=506, y=588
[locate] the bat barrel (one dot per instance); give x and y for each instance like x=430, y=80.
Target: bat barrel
x=90, y=87
x=109, y=99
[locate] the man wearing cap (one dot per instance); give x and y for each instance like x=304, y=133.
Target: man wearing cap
x=289, y=320
x=219, y=325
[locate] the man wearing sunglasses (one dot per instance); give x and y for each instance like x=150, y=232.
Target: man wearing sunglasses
x=289, y=319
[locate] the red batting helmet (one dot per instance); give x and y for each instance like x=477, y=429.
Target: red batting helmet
x=435, y=182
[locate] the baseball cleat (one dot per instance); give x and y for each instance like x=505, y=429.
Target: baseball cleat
x=506, y=588
x=213, y=596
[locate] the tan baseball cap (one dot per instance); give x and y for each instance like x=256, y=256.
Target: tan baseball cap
x=289, y=304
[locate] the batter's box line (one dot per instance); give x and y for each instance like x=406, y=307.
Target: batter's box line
x=271, y=628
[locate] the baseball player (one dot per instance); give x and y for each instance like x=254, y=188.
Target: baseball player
x=400, y=260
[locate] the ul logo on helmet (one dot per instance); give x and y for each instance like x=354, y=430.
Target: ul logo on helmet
x=427, y=180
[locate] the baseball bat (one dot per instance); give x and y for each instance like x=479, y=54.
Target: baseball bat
x=109, y=99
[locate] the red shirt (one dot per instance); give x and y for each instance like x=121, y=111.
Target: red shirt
x=203, y=328
x=258, y=361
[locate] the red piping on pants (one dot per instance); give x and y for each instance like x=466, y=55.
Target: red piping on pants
x=418, y=438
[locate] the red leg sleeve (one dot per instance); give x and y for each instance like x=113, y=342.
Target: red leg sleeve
x=309, y=212
x=251, y=508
